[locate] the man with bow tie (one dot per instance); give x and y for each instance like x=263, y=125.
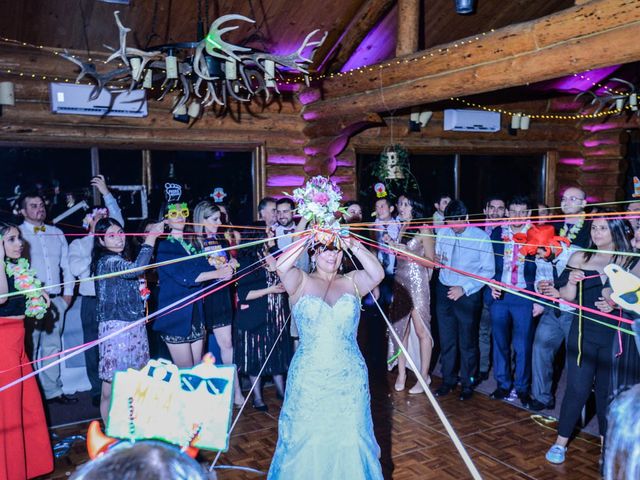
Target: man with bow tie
x=47, y=250
x=284, y=228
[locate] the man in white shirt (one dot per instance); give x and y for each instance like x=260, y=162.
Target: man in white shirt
x=386, y=224
x=80, y=254
x=461, y=249
x=286, y=226
x=47, y=250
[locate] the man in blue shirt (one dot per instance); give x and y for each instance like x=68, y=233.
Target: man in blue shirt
x=462, y=250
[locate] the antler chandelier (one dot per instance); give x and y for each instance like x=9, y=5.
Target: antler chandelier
x=211, y=71
x=614, y=101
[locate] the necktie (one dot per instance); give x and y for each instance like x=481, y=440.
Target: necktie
x=514, y=264
x=39, y=229
x=287, y=231
x=454, y=252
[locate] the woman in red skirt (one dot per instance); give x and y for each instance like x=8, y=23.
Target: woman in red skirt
x=25, y=449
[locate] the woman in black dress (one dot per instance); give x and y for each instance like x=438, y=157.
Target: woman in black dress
x=590, y=344
x=182, y=328
x=263, y=312
x=218, y=310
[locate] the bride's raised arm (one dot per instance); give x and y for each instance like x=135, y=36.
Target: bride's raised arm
x=372, y=272
x=290, y=276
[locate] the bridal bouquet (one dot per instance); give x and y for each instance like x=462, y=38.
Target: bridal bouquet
x=319, y=202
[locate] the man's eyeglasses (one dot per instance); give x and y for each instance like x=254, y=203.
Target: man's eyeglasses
x=571, y=199
x=190, y=383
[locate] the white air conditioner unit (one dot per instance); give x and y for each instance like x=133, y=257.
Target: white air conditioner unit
x=471, y=121
x=74, y=99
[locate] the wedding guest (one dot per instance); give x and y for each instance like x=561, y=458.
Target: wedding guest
x=218, y=308
x=118, y=302
x=460, y=247
x=411, y=307
x=386, y=225
x=48, y=251
x=183, y=329
x=439, y=206
x=80, y=254
x=24, y=437
x=262, y=323
x=511, y=314
x=590, y=344
x=354, y=212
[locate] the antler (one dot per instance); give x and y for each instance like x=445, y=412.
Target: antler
x=86, y=68
x=294, y=60
x=219, y=48
x=632, y=87
x=122, y=51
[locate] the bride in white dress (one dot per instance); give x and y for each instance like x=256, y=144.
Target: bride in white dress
x=325, y=426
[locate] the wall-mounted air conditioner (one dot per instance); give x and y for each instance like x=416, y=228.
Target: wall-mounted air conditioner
x=471, y=120
x=69, y=98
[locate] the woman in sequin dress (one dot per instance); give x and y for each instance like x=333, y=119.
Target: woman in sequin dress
x=411, y=307
x=263, y=297
x=118, y=303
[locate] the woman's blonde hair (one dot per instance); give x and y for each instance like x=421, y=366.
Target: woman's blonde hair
x=203, y=210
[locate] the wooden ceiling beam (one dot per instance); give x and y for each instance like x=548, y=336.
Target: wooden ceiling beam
x=593, y=35
x=363, y=21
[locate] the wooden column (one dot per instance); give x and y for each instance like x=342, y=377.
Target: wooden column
x=408, y=25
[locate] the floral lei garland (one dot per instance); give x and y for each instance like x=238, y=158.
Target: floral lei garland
x=507, y=237
x=573, y=231
x=191, y=250
x=25, y=279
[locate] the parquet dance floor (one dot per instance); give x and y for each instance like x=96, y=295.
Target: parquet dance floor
x=502, y=439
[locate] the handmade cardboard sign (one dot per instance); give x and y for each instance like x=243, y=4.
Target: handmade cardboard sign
x=187, y=407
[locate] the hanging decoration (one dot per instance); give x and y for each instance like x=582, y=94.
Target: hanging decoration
x=212, y=70
x=393, y=171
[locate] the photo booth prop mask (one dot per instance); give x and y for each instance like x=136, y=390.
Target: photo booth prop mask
x=218, y=195
x=172, y=192
x=626, y=288
x=380, y=189
x=186, y=407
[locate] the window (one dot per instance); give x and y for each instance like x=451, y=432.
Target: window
x=61, y=173
x=469, y=177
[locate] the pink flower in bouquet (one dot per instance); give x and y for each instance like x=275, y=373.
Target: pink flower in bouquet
x=321, y=198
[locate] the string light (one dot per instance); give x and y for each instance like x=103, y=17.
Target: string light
x=596, y=84
x=370, y=68
x=544, y=116
x=381, y=66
